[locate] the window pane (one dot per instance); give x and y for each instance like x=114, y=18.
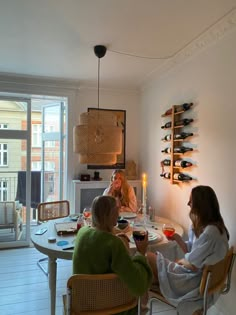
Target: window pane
x=16, y=121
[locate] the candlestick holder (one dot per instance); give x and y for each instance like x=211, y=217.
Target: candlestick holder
x=145, y=216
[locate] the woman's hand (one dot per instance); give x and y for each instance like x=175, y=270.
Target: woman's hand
x=142, y=245
x=186, y=264
x=173, y=237
x=176, y=237
x=111, y=188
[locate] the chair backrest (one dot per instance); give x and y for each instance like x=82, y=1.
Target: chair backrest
x=7, y=213
x=53, y=210
x=216, y=278
x=98, y=294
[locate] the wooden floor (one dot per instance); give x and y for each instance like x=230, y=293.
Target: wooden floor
x=24, y=287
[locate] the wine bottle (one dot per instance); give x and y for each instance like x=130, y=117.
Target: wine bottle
x=178, y=108
x=167, y=125
x=182, y=149
x=183, y=122
x=182, y=163
x=166, y=162
x=178, y=136
x=167, y=113
x=181, y=176
x=166, y=150
x=183, y=107
x=165, y=175
x=177, y=150
x=167, y=138
x=183, y=135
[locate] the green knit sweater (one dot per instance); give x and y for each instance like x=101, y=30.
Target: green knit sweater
x=98, y=252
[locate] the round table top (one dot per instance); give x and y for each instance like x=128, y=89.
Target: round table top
x=41, y=242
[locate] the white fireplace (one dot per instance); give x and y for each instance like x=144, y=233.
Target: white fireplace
x=86, y=191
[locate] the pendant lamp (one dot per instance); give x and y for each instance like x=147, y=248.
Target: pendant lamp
x=97, y=139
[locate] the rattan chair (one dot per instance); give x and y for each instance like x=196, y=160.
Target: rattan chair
x=101, y=294
x=50, y=211
x=215, y=279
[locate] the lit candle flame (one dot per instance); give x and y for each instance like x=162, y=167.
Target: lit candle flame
x=144, y=180
x=144, y=184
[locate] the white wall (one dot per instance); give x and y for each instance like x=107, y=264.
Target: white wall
x=208, y=80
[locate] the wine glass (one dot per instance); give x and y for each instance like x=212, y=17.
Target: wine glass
x=168, y=229
x=139, y=230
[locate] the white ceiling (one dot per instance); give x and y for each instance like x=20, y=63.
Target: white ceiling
x=55, y=38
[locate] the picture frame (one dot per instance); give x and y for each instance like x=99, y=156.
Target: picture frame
x=121, y=122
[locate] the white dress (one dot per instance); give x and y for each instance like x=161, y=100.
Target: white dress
x=179, y=285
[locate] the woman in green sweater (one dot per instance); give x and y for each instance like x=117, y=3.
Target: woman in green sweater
x=98, y=250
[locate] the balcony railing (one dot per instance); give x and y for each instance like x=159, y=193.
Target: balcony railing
x=8, y=192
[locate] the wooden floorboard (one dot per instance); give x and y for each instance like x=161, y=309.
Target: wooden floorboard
x=24, y=287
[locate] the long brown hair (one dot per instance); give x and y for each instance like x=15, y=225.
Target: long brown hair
x=124, y=187
x=205, y=210
x=103, y=212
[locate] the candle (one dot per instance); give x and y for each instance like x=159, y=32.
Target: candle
x=144, y=184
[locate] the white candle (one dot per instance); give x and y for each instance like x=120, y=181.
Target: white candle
x=144, y=184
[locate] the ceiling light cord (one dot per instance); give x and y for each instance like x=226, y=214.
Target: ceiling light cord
x=100, y=52
x=98, y=82
x=138, y=56
x=183, y=47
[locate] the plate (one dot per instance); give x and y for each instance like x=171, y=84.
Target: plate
x=74, y=217
x=128, y=215
x=152, y=237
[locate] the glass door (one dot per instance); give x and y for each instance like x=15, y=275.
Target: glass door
x=53, y=151
x=15, y=175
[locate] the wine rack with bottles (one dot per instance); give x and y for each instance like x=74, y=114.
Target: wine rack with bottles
x=175, y=137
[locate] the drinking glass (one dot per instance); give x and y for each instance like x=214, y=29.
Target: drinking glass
x=139, y=231
x=87, y=212
x=168, y=229
x=87, y=215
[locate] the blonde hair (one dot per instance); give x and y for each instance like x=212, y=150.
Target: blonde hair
x=103, y=212
x=124, y=187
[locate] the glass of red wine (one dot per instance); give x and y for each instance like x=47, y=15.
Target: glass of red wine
x=168, y=229
x=139, y=231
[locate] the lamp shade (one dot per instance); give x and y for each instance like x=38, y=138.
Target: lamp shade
x=97, y=139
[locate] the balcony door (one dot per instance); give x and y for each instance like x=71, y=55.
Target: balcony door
x=53, y=123
x=32, y=162
x=15, y=159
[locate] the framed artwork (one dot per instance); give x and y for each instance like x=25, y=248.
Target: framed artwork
x=121, y=122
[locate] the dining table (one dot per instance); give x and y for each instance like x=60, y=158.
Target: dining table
x=51, y=243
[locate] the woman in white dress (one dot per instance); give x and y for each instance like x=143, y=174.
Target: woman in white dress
x=207, y=244
x=122, y=192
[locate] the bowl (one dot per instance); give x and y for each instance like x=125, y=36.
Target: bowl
x=122, y=224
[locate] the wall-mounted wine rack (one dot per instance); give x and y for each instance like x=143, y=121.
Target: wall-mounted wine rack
x=176, y=136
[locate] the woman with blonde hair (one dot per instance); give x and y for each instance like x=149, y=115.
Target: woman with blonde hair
x=99, y=251
x=122, y=192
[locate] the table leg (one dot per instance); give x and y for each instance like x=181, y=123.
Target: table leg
x=52, y=282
